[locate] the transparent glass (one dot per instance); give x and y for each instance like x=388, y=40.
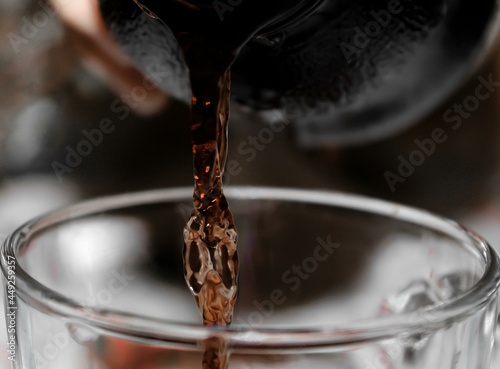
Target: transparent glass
x=327, y=280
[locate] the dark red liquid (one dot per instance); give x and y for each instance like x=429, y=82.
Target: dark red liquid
x=210, y=38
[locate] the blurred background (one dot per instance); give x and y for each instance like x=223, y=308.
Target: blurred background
x=77, y=120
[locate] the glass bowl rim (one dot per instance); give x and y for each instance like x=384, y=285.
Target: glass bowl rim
x=253, y=339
